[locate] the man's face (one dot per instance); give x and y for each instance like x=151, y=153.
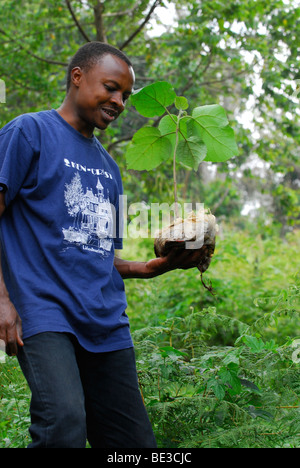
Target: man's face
x=102, y=91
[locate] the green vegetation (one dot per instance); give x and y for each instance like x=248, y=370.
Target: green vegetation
x=219, y=372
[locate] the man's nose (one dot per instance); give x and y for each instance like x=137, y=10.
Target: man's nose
x=117, y=100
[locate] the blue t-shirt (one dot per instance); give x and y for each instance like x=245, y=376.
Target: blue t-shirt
x=59, y=232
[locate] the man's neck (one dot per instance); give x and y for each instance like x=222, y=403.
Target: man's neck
x=69, y=114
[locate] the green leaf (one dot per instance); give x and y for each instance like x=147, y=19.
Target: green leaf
x=211, y=124
x=181, y=103
x=169, y=351
x=217, y=387
x=249, y=384
x=152, y=100
x=228, y=375
x=168, y=125
x=148, y=149
x=259, y=413
x=256, y=345
x=214, y=115
x=191, y=152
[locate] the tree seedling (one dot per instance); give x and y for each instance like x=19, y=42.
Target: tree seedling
x=205, y=135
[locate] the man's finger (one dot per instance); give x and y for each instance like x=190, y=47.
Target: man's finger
x=190, y=258
x=19, y=333
x=11, y=342
x=11, y=349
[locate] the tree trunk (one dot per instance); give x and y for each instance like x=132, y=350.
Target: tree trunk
x=98, y=12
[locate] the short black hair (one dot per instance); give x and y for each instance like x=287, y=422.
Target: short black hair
x=91, y=53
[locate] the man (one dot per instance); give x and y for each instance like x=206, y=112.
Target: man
x=62, y=298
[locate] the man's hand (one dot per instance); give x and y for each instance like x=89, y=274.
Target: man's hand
x=10, y=326
x=10, y=322
x=176, y=259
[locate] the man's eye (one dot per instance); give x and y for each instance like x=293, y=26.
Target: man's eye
x=109, y=88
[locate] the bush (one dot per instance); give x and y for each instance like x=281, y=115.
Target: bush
x=218, y=372
x=198, y=395
x=14, y=406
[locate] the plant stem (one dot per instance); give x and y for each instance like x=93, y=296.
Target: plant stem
x=174, y=165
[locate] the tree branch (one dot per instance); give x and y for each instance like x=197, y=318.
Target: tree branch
x=76, y=21
x=220, y=201
x=241, y=72
x=191, y=79
x=98, y=12
x=121, y=13
x=115, y=143
x=147, y=19
x=52, y=62
x=18, y=83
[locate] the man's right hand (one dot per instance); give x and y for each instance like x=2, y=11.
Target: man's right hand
x=10, y=326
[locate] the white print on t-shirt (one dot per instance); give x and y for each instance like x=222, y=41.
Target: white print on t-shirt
x=83, y=168
x=93, y=225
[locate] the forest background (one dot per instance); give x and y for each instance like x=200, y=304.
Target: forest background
x=215, y=371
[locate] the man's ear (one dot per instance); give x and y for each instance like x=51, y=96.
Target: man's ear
x=76, y=76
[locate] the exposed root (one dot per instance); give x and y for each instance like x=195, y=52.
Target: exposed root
x=201, y=225
x=209, y=287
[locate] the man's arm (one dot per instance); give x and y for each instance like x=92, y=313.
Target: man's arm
x=158, y=266
x=10, y=322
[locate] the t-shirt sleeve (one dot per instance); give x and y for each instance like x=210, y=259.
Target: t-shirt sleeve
x=16, y=155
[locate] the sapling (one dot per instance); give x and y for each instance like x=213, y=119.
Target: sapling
x=205, y=135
